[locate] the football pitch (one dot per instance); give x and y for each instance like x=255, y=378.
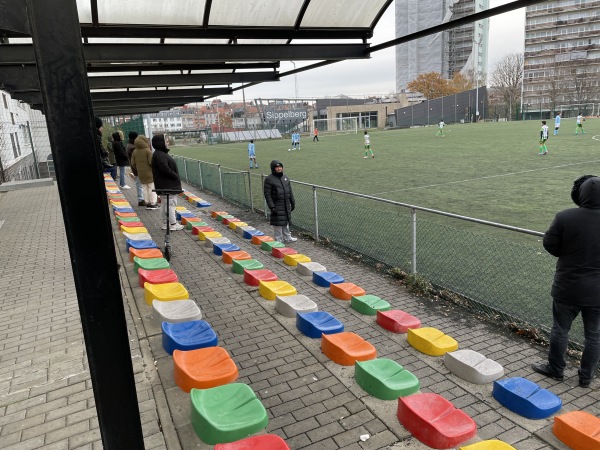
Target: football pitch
x=489, y=171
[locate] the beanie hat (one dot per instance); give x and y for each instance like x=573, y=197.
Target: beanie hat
x=133, y=135
x=98, y=121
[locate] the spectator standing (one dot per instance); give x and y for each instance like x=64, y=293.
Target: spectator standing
x=106, y=166
x=111, y=159
x=166, y=176
x=141, y=163
x=138, y=185
x=121, y=158
x=280, y=201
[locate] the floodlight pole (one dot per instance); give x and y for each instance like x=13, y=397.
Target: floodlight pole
x=295, y=86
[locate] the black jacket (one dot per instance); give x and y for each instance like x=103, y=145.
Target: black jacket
x=574, y=237
x=164, y=170
x=119, y=151
x=279, y=197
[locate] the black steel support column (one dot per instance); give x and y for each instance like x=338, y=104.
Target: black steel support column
x=68, y=109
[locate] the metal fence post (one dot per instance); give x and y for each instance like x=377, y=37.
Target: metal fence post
x=35, y=160
x=413, y=250
x=221, y=180
x=200, y=173
x=316, y=212
x=262, y=178
x=187, y=180
x=250, y=189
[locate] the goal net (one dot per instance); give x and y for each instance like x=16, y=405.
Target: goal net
x=339, y=125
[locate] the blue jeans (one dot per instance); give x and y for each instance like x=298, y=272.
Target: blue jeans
x=122, y=176
x=112, y=171
x=563, y=316
x=140, y=190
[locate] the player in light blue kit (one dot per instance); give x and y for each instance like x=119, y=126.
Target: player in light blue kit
x=252, y=154
x=556, y=124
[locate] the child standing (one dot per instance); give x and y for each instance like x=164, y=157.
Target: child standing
x=556, y=124
x=368, y=145
x=543, y=138
x=579, y=125
x=251, y=154
x=440, y=128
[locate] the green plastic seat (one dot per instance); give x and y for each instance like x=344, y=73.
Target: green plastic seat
x=270, y=245
x=191, y=224
x=385, y=379
x=226, y=413
x=128, y=219
x=251, y=264
x=369, y=304
x=150, y=263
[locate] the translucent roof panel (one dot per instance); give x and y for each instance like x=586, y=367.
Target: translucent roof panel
x=157, y=12
x=273, y=13
x=265, y=41
x=341, y=13
x=197, y=41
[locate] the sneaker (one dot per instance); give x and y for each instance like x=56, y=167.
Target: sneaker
x=292, y=239
x=152, y=206
x=177, y=227
x=163, y=227
x=125, y=187
x=545, y=370
x=141, y=203
x=373, y=156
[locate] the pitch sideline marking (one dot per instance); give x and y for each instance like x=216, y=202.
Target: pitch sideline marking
x=486, y=177
x=596, y=138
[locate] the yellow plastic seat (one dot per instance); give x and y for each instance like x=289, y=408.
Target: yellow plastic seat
x=234, y=225
x=134, y=230
x=271, y=289
x=164, y=292
x=293, y=260
x=202, y=235
x=180, y=208
x=492, y=444
x=431, y=341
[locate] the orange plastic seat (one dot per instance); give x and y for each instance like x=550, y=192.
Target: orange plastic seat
x=345, y=291
x=578, y=429
x=214, y=214
x=258, y=240
x=185, y=220
x=203, y=368
x=144, y=253
x=346, y=348
x=228, y=257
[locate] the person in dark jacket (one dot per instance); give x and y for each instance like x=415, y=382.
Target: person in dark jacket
x=107, y=167
x=166, y=176
x=574, y=238
x=121, y=158
x=138, y=185
x=280, y=201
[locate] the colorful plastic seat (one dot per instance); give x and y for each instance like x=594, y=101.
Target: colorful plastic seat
x=293, y=260
x=159, y=276
x=195, y=223
x=150, y=264
x=369, y=305
x=180, y=208
x=220, y=217
x=385, y=379
x=123, y=220
x=228, y=257
x=241, y=230
x=473, y=366
x=346, y=348
x=218, y=249
x=203, y=235
x=435, y=421
x=203, y=368
x=134, y=243
x=130, y=225
x=307, y=268
x=397, y=321
x=203, y=204
x=492, y=444
x=254, y=277
x=260, y=442
x=345, y=291
x=239, y=265
x=186, y=219
x=268, y=246
x=431, y=341
x=187, y=336
x=138, y=236
x=204, y=228
x=123, y=209
x=134, y=230
x=526, y=398
x=271, y=289
x=578, y=429
x=259, y=238
x=324, y=279
x=210, y=241
x=227, y=221
x=315, y=324
x=289, y=305
x=234, y=225
x=214, y=214
x=226, y=413
x=176, y=311
x=280, y=252
x=144, y=253
x=164, y=292
x=125, y=214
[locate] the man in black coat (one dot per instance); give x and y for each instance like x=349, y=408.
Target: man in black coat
x=166, y=176
x=121, y=158
x=280, y=201
x=574, y=238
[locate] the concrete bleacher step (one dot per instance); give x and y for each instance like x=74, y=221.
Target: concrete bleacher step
x=307, y=268
x=203, y=368
x=188, y=335
x=159, y=276
x=431, y=341
x=435, y=421
x=146, y=243
x=385, y=379
x=345, y=291
x=176, y=311
x=226, y=413
x=254, y=277
x=164, y=292
x=144, y=253
x=261, y=442
x=315, y=324
x=294, y=260
x=271, y=289
x=238, y=255
x=368, y=305
x=578, y=429
x=492, y=444
x=211, y=241
x=239, y=265
x=526, y=398
x=282, y=251
x=324, y=279
x=150, y=264
x=473, y=366
x=397, y=321
x=289, y=305
x=346, y=348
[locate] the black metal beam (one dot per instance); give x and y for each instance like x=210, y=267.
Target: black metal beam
x=108, y=67
x=161, y=102
x=128, y=111
x=141, y=81
x=61, y=67
x=18, y=78
x=13, y=19
x=152, y=94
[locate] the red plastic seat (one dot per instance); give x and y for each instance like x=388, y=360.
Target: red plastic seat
x=397, y=321
x=196, y=230
x=262, y=442
x=254, y=277
x=131, y=224
x=159, y=276
x=281, y=252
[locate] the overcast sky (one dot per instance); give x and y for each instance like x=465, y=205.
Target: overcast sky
x=377, y=75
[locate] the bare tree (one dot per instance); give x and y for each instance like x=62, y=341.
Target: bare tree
x=555, y=89
x=507, y=77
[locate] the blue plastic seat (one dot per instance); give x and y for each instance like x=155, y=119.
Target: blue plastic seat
x=203, y=204
x=123, y=209
x=526, y=398
x=324, y=279
x=139, y=244
x=179, y=215
x=314, y=324
x=187, y=336
x=218, y=249
x=249, y=233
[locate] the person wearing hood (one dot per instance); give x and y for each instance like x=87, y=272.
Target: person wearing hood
x=138, y=185
x=141, y=163
x=573, y=237
x=280, y=201
x=107, y=167
x=166, y=176
x=120, y=157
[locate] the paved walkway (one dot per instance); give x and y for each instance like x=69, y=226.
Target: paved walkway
x=46, y=399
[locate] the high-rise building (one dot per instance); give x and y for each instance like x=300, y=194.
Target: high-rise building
x=462, y=49
x=562, y=57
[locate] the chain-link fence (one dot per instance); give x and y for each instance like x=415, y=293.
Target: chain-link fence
x=499, y=270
